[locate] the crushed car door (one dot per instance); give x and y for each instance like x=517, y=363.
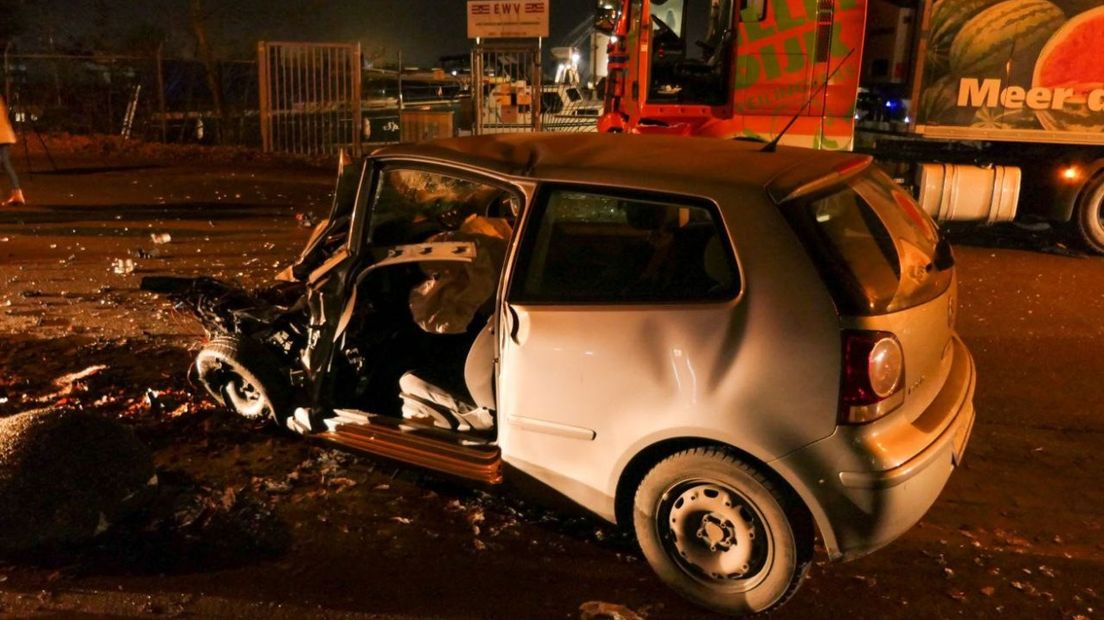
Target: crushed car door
x=331, y=232
x=441, y=234
x=326, y=265
x=611, y=326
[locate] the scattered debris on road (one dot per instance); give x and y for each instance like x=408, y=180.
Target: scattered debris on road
x=123, y=266
x=598, y=610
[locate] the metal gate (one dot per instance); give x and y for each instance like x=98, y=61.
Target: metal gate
x=310, y=97
x=510, y=96
x=506, y=88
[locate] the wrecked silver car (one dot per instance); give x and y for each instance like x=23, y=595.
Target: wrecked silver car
x=725, y=349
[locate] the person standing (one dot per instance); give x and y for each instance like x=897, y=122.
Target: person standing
x=7, y=140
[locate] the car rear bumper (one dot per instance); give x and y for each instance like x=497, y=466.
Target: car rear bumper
x=860, y=508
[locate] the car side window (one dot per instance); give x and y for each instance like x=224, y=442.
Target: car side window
x=587, y=247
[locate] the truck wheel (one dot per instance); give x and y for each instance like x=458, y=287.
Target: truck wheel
x=239, y=373
x=720, y=533
x=1090, y=214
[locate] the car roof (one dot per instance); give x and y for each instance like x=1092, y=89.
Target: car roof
x=648, y=161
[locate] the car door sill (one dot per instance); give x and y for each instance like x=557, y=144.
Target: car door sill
x=450, y=452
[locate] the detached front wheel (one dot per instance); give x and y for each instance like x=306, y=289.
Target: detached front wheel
x=720, y=533
x=241, y=375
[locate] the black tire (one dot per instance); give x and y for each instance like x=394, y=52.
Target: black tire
x=721, y=533
x=241, y=375
x=1090, y=214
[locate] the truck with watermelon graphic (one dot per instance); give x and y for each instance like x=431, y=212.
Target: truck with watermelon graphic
x=1009, y=93
x=995, y=108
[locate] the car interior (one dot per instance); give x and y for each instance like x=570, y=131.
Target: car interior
x=420, y=344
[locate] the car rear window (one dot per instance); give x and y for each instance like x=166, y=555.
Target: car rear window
x=878, y=251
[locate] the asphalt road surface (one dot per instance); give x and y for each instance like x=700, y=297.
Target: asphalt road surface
x=254, y=523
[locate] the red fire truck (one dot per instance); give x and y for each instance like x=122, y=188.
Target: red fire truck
x=725, y=69
x=991, y=109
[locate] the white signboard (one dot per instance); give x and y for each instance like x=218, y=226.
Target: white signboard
x=497, y=19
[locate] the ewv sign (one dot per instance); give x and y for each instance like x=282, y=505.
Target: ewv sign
x=491, y=19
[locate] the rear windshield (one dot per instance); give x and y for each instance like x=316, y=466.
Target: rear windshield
x=878, y=251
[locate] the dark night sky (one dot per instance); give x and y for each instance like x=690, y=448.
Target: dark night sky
x=422, y=29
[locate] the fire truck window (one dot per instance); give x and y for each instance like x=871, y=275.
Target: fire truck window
x=691, y=51
x=753, y=10
x=668, y=15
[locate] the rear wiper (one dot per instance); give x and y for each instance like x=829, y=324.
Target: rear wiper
x=944, y=257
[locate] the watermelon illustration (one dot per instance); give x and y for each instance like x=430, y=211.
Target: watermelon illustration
x=947, y=19
x=1000, y=118
x=1006, y=36
x=1072, y=59
x=937, y=102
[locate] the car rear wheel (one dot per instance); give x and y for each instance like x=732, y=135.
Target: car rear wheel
x=1090, y=214
x=720, y=533
x=238, y=373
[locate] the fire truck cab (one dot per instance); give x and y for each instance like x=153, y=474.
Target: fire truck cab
x=734, y=68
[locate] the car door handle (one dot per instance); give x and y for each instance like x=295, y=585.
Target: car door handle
x=519, y=328
x=515, y=323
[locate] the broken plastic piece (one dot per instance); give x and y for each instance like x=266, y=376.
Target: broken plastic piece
x=123, y=266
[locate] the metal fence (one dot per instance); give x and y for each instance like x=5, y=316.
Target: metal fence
x=296, y=97
x=310, y=97
x=141, y=96
x=510, y=96
x=506, y=88
x=569, y=108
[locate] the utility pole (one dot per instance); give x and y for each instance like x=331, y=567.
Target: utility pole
x=161, y=91
x=203, y=47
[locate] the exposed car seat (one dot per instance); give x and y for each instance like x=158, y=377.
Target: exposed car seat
x=460, y=300
x=428, y=401
x=479, y=368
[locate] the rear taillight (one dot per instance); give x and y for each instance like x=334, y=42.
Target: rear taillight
x=872, y=377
